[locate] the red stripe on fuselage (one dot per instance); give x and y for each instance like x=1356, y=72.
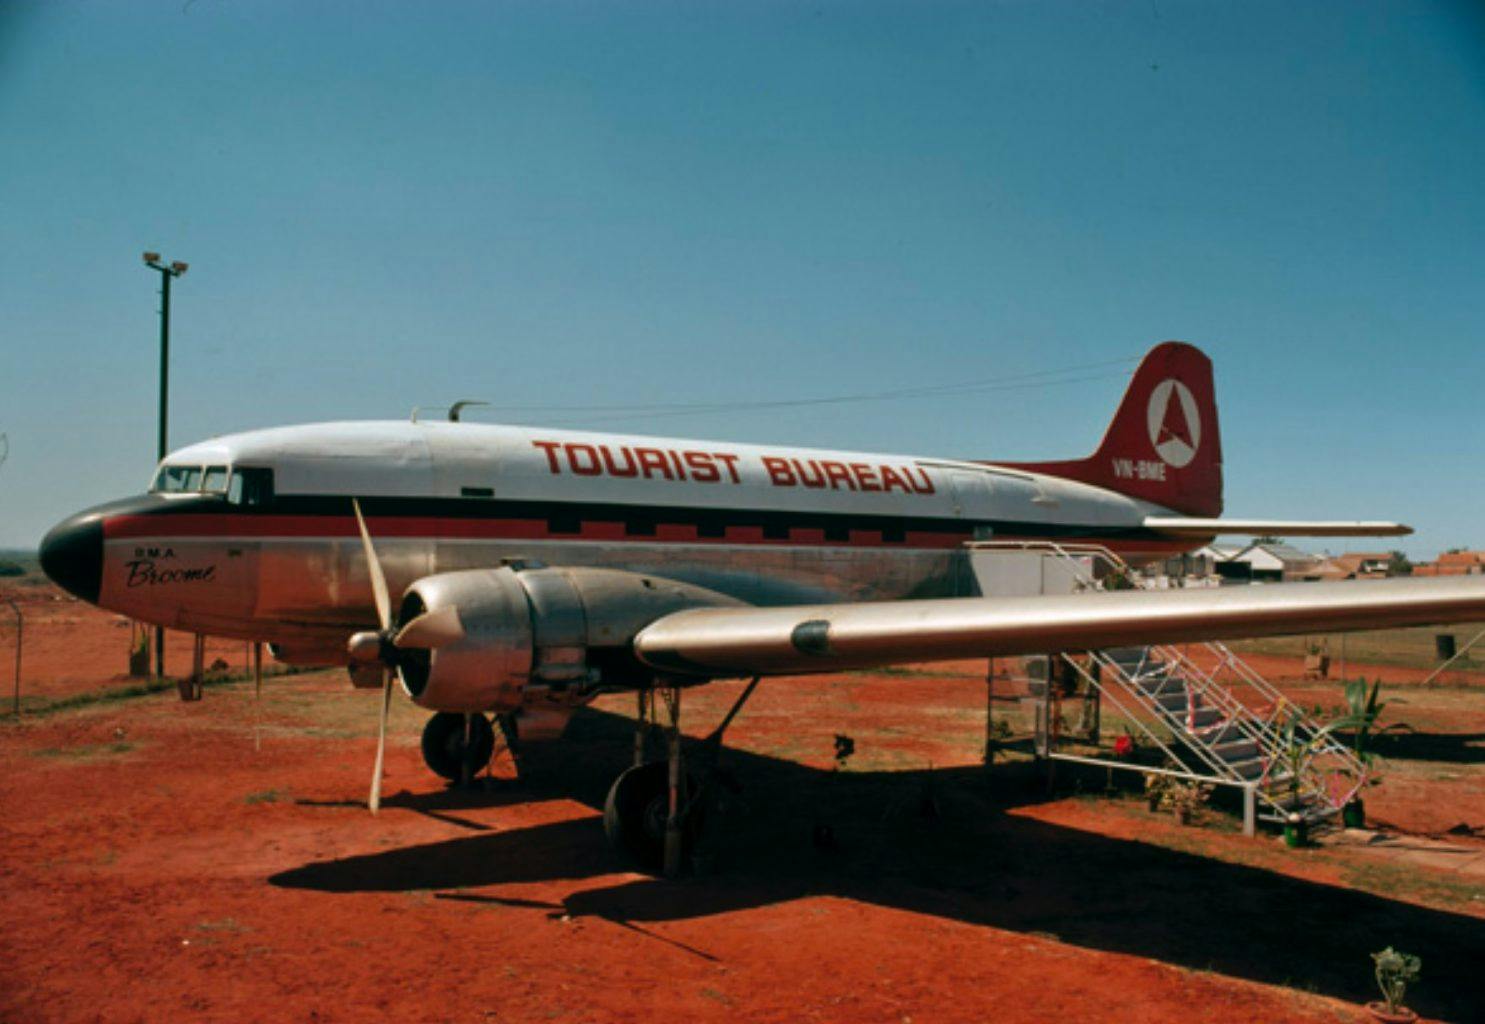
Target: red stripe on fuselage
x=290, y=527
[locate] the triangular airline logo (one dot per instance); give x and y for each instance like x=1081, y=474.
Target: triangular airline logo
x=1174, y=423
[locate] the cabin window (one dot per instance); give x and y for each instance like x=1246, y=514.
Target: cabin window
x=215, y=481
x=639, y=528
x=775, y=531
x=837, y=534
x=250, y=487
x=712, y=530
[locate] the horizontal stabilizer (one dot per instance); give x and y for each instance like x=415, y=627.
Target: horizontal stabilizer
x=1173, y=526
x=726, y=642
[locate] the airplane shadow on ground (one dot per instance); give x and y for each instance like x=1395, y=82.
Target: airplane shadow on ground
x=972, y=862
x=1443, y=747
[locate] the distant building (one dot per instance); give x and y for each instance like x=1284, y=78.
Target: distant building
x=1359, y=565
x=1453, y=563
x=1267, y=562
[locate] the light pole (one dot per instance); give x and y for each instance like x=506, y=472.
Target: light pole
x=168, y=272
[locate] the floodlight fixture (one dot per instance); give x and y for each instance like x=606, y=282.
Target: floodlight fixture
x=152, y=257
x=179, y=268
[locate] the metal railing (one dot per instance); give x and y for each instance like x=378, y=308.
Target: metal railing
x=1318, y=791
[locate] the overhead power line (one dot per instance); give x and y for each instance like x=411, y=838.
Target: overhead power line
x=660, y=410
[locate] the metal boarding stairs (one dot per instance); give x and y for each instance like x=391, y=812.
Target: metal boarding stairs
x=1213, y=715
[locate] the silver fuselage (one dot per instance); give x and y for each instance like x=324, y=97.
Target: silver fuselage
x=765, y=525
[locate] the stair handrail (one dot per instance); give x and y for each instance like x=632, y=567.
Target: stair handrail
x=1262, y=729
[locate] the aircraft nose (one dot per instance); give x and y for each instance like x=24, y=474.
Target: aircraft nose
x=72, y=555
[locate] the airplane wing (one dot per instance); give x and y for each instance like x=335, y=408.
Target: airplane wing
x=1174, y=526
x=727, y=642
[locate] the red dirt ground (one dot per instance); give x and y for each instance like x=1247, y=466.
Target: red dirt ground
x=69, y=647
x=156, y=867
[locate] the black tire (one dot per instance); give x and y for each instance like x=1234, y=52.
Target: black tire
x=635, y=812
x=443, y=744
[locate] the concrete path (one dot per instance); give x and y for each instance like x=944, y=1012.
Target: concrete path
x=1459, y=858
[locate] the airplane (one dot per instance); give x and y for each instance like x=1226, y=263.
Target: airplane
x=535, y=569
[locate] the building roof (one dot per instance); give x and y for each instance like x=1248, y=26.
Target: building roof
x=1462, y=558
x=1289, y=553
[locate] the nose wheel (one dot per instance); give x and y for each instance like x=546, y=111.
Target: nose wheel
x=457, y=746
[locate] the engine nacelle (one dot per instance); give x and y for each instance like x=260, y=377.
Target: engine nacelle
x=529, y=635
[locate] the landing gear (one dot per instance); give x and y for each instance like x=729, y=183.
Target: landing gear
x=637, y=812
x=457, y=746
x=656, y=811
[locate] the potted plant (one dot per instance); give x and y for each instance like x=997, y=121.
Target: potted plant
x=1157, y=791
x=1186, y=798
x=1395, y=972
x=1295, y=753
x=1296, y=830
x=1365, y=709
x=1298, y=747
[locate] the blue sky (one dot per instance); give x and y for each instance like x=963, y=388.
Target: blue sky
x=557, y=204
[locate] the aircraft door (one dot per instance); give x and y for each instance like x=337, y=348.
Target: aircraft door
x=971, y=496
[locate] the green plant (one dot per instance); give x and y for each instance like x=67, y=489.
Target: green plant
x=1364, y=710
x=1186, y=798
x=1157, y=790
x=1298, y=745
x=1395, y=972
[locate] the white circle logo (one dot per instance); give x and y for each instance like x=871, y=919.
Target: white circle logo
x=1175, y=425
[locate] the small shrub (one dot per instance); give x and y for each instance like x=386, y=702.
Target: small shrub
x=1395, y=972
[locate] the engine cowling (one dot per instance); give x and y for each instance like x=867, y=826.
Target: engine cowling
x=556, y=634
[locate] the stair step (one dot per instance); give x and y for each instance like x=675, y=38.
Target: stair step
x=1233, y=751
x=1248, y=770
x=1230, y=735
x=1305, y=803
x=1203, y=718
x=1157, y=688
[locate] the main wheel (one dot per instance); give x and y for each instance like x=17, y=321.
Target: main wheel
x=444, y=750
x=636, y=810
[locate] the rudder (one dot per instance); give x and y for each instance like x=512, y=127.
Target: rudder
x=1163, y=444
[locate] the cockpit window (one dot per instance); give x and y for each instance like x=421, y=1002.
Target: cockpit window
x=177, y=479
x=251, y=487
x=246, y=486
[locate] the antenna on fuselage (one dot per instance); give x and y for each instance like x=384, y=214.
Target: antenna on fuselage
x=454, y=410
x=459, y=406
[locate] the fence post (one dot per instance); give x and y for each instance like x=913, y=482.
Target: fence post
x=20, y=635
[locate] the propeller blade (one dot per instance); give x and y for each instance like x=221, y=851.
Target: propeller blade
x=374, y=569
x=431, y=629
x=375, y=801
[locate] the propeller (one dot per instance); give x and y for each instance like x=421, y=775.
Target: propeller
x=384, y=618
x=429, y=630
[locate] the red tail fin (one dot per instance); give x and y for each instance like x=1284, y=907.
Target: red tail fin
x=1163, y=445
